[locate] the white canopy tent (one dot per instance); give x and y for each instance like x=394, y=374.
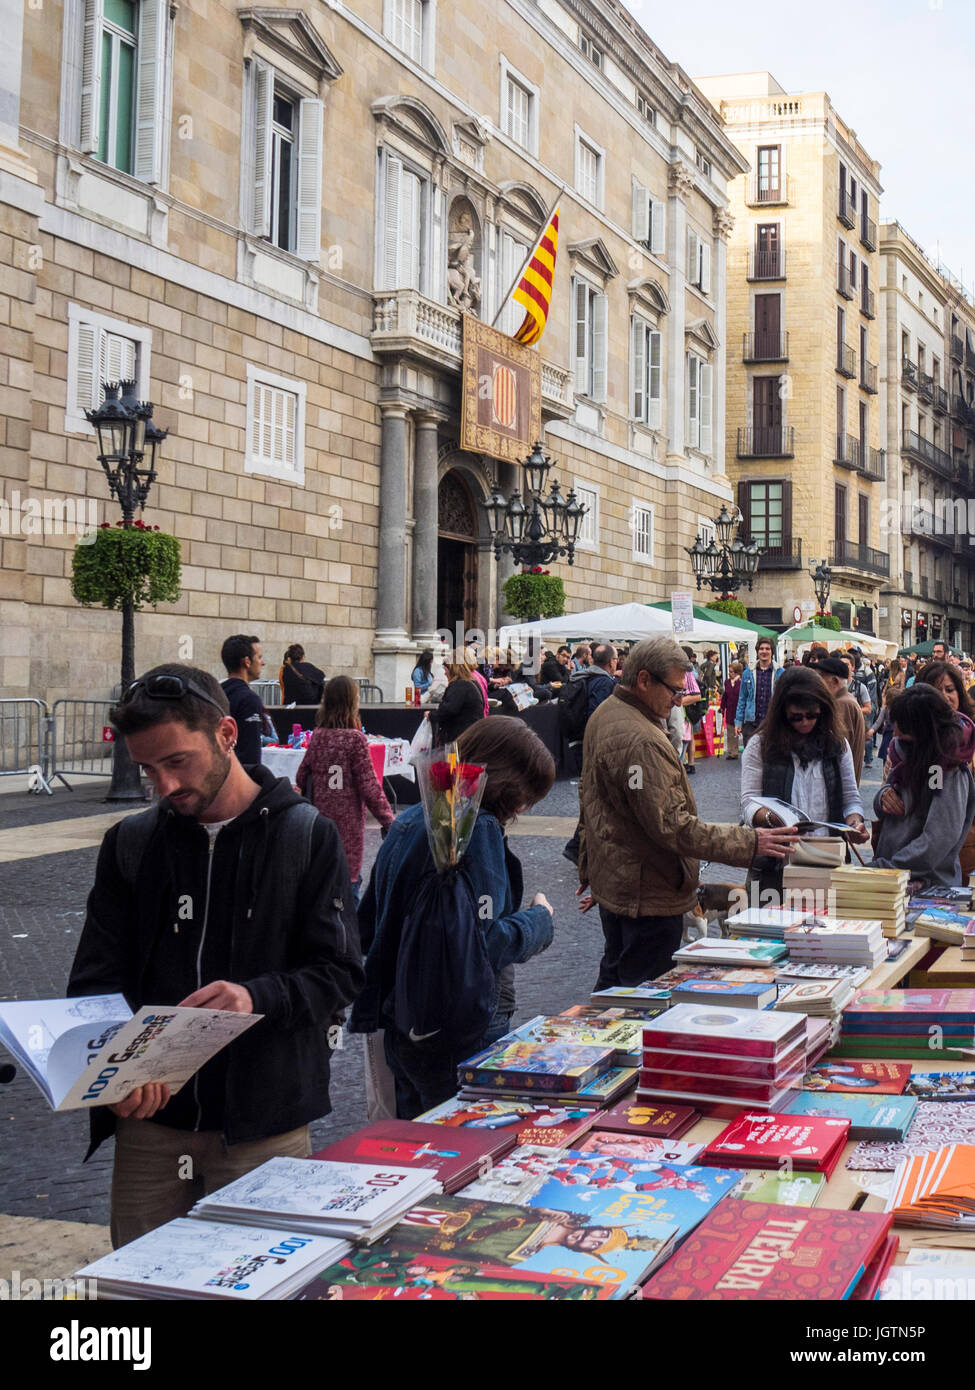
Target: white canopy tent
x=628, y=622
x=797, y=638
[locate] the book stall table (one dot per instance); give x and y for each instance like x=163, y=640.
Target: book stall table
x=949, y=971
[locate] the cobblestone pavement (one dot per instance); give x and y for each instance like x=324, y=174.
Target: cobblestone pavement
x=42, y=903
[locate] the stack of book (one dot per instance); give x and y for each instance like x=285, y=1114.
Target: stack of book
x=968, y=943
x=936, y=1189
x=871, y=1117
x=721, y=1059
x=620, y=1035
x=809, y=1144
x=728, y=992
x=549, y=1071
x=678, y=974
x=531, y=1123
x=817, y=999
x=842, y=940
x=455, y=1156
x=945, y=924
x=714, y=951
x=798, y=971
x=807, y=889
x=865, y=892
x=384, y=1274
x=941, y=1085
x=930, y=1025
x=756, y=1250
x=767, y=922
x=209, y=1259
x=357, y=1201
x=649, y=996
x=860, y=1078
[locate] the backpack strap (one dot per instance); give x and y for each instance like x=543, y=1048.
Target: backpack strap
x=300, y=820
x=134, y=834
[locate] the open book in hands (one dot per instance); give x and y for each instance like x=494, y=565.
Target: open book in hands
x=793, y=815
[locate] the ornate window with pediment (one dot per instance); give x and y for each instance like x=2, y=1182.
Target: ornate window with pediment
x=411, y=249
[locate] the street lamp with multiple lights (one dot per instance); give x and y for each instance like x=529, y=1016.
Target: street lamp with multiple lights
x=822, y=578
x=540, y=528
x=728, y=565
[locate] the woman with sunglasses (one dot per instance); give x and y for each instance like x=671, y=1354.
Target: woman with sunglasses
x=927, y=803
x=797, y=756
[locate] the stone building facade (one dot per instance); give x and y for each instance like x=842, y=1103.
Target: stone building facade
x=928, y=401
x=805, y=434
x=271, y=218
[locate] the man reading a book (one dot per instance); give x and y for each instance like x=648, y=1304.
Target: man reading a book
x=229, y=893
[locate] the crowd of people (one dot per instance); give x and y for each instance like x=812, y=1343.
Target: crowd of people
x=236, y=890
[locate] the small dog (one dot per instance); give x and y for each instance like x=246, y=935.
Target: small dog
x=716, y=901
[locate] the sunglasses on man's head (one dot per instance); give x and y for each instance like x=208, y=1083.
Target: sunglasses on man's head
x=803, y=716
x=164, y=687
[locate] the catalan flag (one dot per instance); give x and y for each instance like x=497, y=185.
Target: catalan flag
x=534, y=289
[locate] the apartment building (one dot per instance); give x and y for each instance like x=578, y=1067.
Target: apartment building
x=804, y=428
x=273, y=219
x=927, y=395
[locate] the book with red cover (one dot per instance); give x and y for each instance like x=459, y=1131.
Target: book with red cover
x=859, y=1078
x=764, y=1250
x=633, y=1117
x=710, y=1064
x=455, y=1154
x=551, y=1126
x=732, y=1032
x=868, y=1287
x=742, y=1089
x=810, y=1142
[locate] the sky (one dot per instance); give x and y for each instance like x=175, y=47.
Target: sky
x=900, y=72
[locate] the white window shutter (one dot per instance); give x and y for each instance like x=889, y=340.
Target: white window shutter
x=653, y=379
x=692, y=410
x=693, y=259
x=309, y=240
x=149, y=90
x=658, y=215
x=391, y=239
x=91, y=76
x=88, y=393
x=638, y=369
x=705, y=410
x=581, y=331
x=705, y=280
x=260, y=220
x=117, y=359
x=641, y=212
x=411, y=193
x=600, y=345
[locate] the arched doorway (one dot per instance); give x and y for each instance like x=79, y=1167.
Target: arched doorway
x=456, y=554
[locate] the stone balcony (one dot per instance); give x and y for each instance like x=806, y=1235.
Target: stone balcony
x=407, y=323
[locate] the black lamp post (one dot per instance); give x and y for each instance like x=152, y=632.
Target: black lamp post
x=822, y=578
x=540, y=528
x=126, y=435
x=728, y=565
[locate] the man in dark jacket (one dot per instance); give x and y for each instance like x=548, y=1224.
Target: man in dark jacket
x=231, y=893
x=600, y=679
x=244, y=661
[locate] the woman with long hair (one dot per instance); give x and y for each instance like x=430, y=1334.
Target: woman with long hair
x=344, y=782
x=464, y=701
x=950, y=681
x=301, y=683
x=520, y=772
x=927, y=802
x=422, y=672
x=797, y=756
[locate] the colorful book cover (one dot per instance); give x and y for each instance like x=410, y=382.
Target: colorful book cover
x=868, y=1288
x=660, y=1121
x=870, y=1117
x=791, y=1190
x=731, y=952
x=515, y=1177
x=410, y=1144
x=766, y=1141
x=381, y=1274
x=650, y=992
x=622, y=1036
x=606, y=1089
x=551, y=1126
x=536, y=1066
x=724, y=989
x=566, y=1243
x=879, y=1078
x=945, y=917
x=933, y=1127
x=942, y=1085
x=698, y=1028
x=679, y=973
x=938, y=1005
x=636, y=1194
x=640, y=1146
x=756, y=1250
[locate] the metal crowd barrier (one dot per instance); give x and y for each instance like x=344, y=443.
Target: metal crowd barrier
x=268, y=692
x=24, y=731
x=76, y=740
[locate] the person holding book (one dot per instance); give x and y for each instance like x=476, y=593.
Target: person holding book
x=231, y=893
x=641, y=841
x=338, y=767
x=798, y=757
x=927, y=802
x=520, y=771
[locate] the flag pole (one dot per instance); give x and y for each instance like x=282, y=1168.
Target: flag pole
x=529, y=258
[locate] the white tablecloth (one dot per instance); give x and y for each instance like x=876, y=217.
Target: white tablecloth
x=285, y=762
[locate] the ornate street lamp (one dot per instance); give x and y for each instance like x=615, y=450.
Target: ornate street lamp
x=822, y=578
x=126, y=435
x=542, y=527
x=727, y=565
